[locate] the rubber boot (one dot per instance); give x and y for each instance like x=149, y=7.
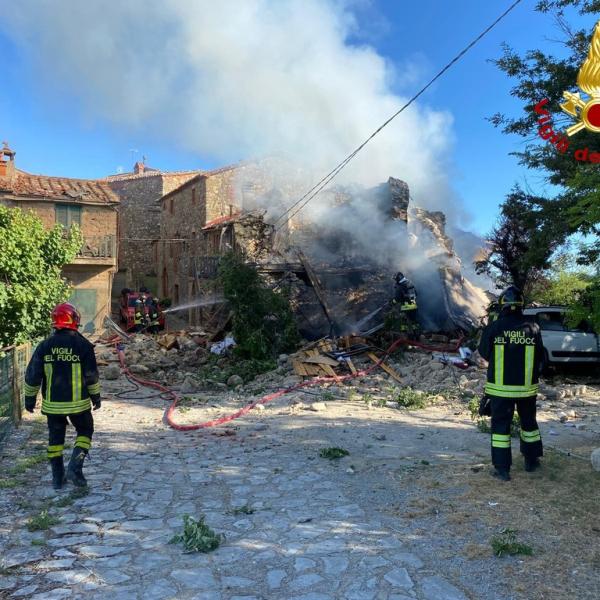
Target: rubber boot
x=532, y=464
x=502, y=473
x=58, y=472
x=75, y=468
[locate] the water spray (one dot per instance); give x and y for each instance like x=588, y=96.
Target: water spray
x=195, y=304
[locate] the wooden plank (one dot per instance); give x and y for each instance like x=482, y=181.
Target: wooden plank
x=385, y=367
x=324, y=367
x=351, y=365
x=299, y=368
x=321, y=360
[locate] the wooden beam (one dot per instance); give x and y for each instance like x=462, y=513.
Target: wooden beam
x=385, y=367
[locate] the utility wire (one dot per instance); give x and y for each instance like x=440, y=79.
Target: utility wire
x=318, y=187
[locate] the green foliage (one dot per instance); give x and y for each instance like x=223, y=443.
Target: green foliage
x=541, y=75
x=247, y=369
x=506, y=544
x=42, y=521
x=409, y=398
x=333, y=453
x=587, y=306
x=263, y=324
x=523, y=241
x=243, y=510
x=72, y=496
x=483, y=423
x=31, y=259
x=38, y=542
x=197, y=536
x=25, y=464
x=564, y=288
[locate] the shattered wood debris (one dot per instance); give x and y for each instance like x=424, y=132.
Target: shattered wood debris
x=320, y=358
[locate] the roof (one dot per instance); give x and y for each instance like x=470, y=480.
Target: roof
x=147, y=173
x=28, y=185
x=222, y=221
x=203, y=175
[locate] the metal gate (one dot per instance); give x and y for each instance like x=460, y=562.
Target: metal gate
x=13, y=362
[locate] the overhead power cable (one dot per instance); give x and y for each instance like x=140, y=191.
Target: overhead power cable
x=320, y=185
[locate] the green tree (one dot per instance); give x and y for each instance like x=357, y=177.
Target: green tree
x=519, y=246
x=540, y=76
x=263, y=323
x=31, y=259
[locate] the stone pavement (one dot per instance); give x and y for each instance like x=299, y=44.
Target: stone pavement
x=291, y=530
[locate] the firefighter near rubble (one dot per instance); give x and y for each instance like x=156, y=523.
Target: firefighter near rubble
x=404, y=304
x=64, y=367
x=512, y=345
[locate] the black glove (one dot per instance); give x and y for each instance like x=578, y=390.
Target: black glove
x=29, y=404
x=97, y=404
x=485, y=407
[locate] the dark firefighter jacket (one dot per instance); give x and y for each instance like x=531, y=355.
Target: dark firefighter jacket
x=405, y=295
x=513, y=347
x=64, y=366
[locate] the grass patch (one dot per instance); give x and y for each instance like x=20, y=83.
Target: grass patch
x=9, y=483
x=38, y=542
x=25, y=464
x=333, y=453
x=327, y=396
x=243, y=510
x=409, y=398
x=247, y=369
x=483, y=423
x=42, y=521
x=72, y=496
x=506, y=544
x=197, y=536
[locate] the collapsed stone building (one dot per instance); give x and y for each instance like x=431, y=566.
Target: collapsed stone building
x=338, y=262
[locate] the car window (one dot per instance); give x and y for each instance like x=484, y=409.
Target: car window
x=551, y=321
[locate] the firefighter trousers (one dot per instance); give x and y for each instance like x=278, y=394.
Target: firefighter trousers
x=502, y=414
x=57, y=427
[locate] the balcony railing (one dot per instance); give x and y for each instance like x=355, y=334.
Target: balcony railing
x=100, y=246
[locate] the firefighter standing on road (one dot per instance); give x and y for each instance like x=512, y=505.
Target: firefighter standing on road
x=64, y=367
x=512, y=345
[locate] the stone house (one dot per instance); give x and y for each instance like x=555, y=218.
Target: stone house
x=213, y=212
x=90, y=204
x=139, y=221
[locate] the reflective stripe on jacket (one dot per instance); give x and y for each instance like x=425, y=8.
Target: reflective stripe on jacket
x=512, y=345
x=64, y=367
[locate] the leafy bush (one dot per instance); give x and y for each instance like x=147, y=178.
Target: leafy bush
x=506, y=544
x=31, y=259
x=42, y=522
x=263, y=323
x=247, y=369
x=197, y=536
x=333, y=453
x=409, y=398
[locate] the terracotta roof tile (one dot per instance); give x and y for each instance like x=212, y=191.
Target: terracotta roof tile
x=57, y=188
x=147, y=173
x=222, y=220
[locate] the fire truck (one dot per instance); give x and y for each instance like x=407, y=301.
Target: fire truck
x=128, y=304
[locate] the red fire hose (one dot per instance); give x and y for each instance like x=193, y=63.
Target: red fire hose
x=269, y=397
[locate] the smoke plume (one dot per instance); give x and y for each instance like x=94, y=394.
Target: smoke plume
x=237, y=79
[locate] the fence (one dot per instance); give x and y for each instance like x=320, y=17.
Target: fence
x=13, y=362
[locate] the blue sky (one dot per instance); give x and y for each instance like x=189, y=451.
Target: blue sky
x=53, y=133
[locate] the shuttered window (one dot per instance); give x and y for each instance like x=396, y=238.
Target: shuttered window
x=68, y=215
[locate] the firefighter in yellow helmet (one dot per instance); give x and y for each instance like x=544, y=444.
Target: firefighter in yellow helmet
x=512, y=345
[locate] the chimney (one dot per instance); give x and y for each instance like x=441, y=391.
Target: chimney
x=7, y=161
x=139, y=168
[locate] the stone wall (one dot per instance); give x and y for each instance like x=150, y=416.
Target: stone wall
x=139, y=221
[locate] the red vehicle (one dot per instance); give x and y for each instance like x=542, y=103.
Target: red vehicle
x=143, y=302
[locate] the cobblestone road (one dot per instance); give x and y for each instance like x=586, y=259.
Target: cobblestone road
x=291, y=530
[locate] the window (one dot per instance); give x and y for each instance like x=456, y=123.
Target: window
x=551, y=321
x=67, y=215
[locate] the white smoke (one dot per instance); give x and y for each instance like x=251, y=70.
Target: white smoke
x=236, y=79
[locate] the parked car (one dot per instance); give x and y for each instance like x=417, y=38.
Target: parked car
x=564, y=343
